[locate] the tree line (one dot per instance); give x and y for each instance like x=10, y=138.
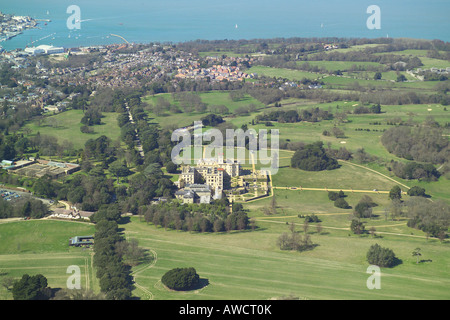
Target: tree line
x=214, y=217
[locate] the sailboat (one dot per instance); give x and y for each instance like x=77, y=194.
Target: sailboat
x=237, y=26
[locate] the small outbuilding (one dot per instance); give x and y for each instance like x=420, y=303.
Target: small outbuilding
x=79, y=241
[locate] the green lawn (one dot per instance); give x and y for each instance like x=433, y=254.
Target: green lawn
x=65, y=126
x=294, y=75
x=339, y=65
x=248, y=265
x=42, y=247
x=209, y=98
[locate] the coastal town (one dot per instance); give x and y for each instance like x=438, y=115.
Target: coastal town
x=112, y=67
x=12, y=25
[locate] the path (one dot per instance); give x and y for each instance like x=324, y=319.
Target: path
x=379, y=173
x=138, y=140
x=329, y=189
x=267, y=219
x=147, y=293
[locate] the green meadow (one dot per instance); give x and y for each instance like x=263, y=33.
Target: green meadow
x=65, y=126
x=209, y=98
x=294, y=75
x=42, y=247
x=249, y=265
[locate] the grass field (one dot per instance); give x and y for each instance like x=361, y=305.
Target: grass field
x=66, y=126
x=249, y=265
x=209, y=98
x=41, y=247
x=294, y=75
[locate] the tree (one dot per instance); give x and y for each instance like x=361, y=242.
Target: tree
x=319, y=228
x=26, y=210
x=395, y=193
x=153, y=170
x=45, y=187
x=333, y=196
x=401, y=78
x=91, y=117
x=181, y=279
x=130, y=252
x=119, y=169
x=31, y=288
x=372, y=231
x=273, y=205
x=382, y=257
x=364, y=208
x=357, y=226
x=341, y=203
x=376, y=108
x=313, y=158
x=416, y=253
x=416, y=191
x=171, y=167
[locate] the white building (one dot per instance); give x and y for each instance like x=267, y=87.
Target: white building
x=44, y=49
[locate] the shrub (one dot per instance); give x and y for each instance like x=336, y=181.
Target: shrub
x=181, y=279
x=313, y=219
x=333, y=196
x=357, y=227
x=382, y=257
x=341, y=203
x=416, y=191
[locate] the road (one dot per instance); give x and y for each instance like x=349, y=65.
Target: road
x=330, y=189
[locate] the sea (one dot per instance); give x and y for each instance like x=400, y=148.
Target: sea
x=103, y=22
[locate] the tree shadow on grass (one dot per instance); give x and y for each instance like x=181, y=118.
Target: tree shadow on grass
x=202, y=283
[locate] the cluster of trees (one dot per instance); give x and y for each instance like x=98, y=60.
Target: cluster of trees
x=26, y=208
x=294, y=241
x=422, y=144
x=197, y=217
x=312, y=219
x=313, y=157
x=357, y=226
x=413, y=170
x=416, y=191
x=212, y=120
x=89, y=191
x=181, y=279
x=364, y=207
x=339, y=199
x=14, y=146
x=376, y=108
x=31, y=288
x=382, y=257
x=342, y=153
x=292, y=116
x=432, y=218
x=91, y=117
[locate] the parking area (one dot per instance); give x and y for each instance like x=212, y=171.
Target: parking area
x=9, y=195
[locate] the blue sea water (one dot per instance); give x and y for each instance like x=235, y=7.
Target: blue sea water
x=144, y=21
